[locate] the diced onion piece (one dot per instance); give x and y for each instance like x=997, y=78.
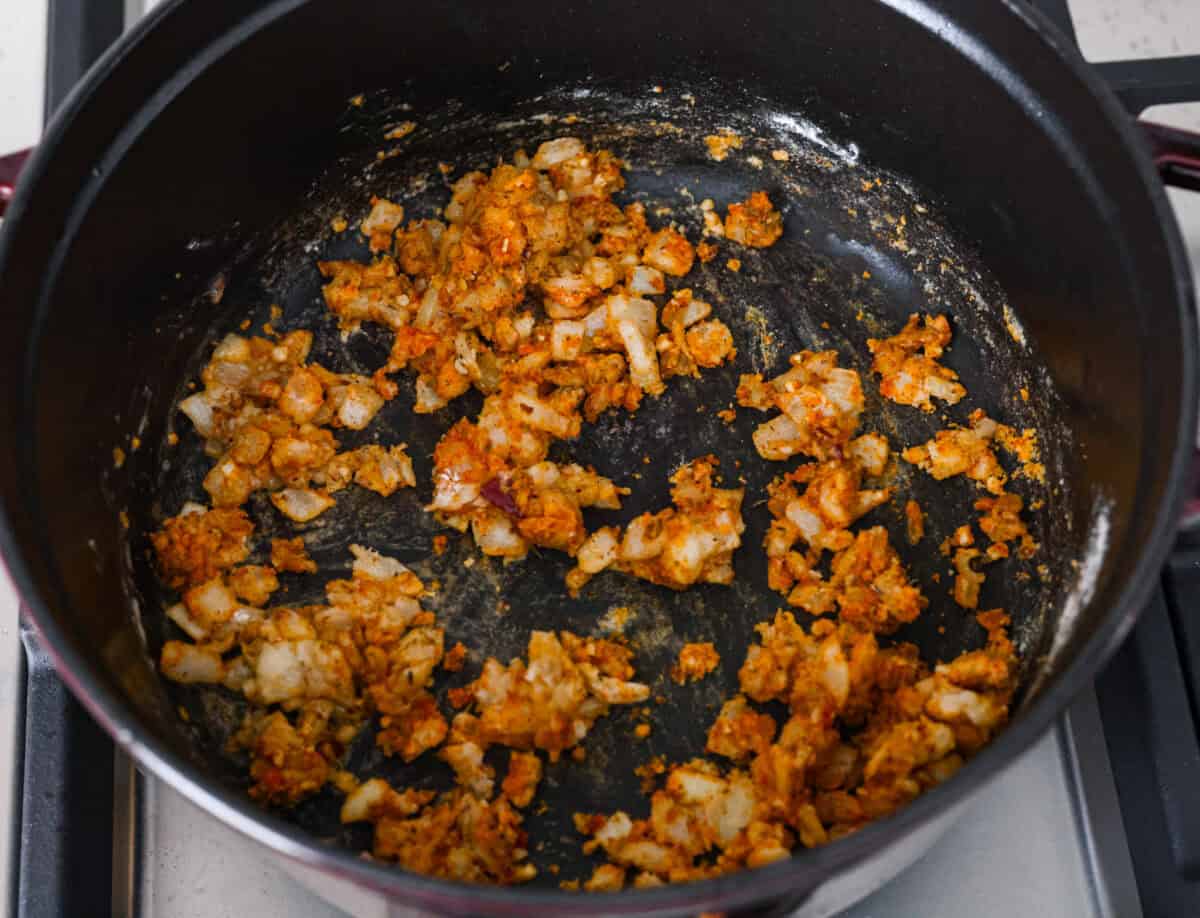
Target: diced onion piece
x=301, y=504
x=598, y=551
x=617, y=828
x=844, y=389
x=871, y=452
x=469, y=769
x=566, y=339
x=542, y=416
x=212, y=601
x=683, y=557
x=649, y=855
x=363, y=799
x=692, y=786
x=370, y=563
x=567, y=296
x=429, y=310
x=835, y=672
x=804, y=519
x=553, y=152
x=710, y=343
x=428, y=400
x=496, y=535
x=304, y=669
x=543, y=474
x=947, y=390
x=644, y=539
x=359, y=406
x=402, y=463
x=642, y=314
x=302, y=396
x=778, y=438
x=611, y=690
x=228, y=484
x=246, y=615
x=957, y=704
x=595, y=321
x=237, y=674
x=199, y=411
x=188, y=663
x=984, y=428
x=670, y=252
x=227, y=375
x=383, y=218
x=600, y=272
x=606, y=878
x=524, y=325
x=694, y=311
x=232, y=348
x=736, y=811
x=451, y=492
x=178, y=613
x=647, y=280
x=643, y=361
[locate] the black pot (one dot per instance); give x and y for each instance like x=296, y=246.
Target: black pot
x=205, y=125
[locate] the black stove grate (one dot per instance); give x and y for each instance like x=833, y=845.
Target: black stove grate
x=1149, y=704
x=62, y=855
x=1138, y=83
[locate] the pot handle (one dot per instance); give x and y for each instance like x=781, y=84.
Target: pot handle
x=1175, y=152
x=1140, y=84
x=10, y=168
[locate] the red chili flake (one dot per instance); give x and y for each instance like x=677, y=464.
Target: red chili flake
x=493, y=492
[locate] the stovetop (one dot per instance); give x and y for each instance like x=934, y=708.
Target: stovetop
x=1043, y=839
x=1051, y=836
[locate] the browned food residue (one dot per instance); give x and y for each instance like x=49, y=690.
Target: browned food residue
x=695, y=662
